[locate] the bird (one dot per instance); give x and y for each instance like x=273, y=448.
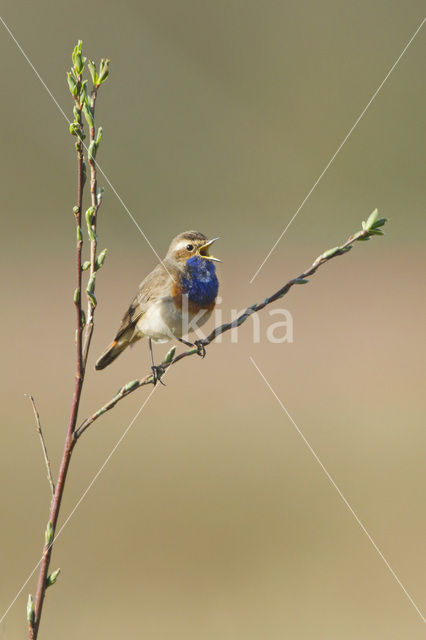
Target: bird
x=177, y=297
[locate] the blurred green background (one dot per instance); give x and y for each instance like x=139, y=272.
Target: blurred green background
x=212, y=519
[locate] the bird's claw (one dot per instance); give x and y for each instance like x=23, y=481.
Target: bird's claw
x=201, y=347
x=157, y=372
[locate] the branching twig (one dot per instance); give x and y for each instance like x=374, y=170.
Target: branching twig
x=78, y=90
x=43, y=444
x=370, y=228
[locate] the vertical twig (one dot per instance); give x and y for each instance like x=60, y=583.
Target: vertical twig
x=43, y=444
x=79, y=376
x=86, y=106
x=91, y=217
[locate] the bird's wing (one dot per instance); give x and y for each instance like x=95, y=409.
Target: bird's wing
x=150, y=290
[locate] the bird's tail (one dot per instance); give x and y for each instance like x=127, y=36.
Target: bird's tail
x=113, y=351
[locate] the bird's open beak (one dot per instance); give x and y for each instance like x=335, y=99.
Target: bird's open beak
x=204, y=251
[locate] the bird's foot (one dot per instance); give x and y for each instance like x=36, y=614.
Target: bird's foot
x=201, y=347
x=157, y=373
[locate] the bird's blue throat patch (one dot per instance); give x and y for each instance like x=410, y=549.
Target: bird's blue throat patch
x=199, y=281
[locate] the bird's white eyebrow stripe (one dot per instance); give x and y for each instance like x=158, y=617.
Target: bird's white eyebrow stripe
x=182, y=245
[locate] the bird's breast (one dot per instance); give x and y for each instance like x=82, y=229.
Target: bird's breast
x=161, y=321
x=199, y=283
x=167, y=318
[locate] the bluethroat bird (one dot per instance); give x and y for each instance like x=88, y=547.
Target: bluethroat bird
x=178, y=296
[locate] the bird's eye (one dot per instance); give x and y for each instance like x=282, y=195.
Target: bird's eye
x=189, y=247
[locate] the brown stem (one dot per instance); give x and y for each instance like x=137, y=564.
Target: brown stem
x=69, y=439
x=53, y=516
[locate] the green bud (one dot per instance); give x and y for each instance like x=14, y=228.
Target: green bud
x=129, y=386
x=30, y=611
x=84, y=96
x=91, y=284
x=91, y=152
x=75, y=130
x=51, y=579
x=372, y=218
x=89, y=218
x=88, y=115
x=99, y=136
x=72, y=84
x=79, y=234
x=77, y=58
x=78, y=63
x=93, y=72
x=100, y=259
x=76, y=112
x=77, y=296
x=169, y=355
x=85, y=265
x=103, y=70
x=329, y=253
x=82, y=318
x=76, y=209
x=300, y=281
x=379, y=223
x=92, y=298
x=48, y=536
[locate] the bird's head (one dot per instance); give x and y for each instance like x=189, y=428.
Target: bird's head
x=191, y=244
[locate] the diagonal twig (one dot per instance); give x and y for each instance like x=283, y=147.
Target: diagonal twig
x=43, y=444
x=369, y=229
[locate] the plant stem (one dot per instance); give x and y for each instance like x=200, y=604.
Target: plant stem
x=93, y=242
x=43, y=445
x=69, y=439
